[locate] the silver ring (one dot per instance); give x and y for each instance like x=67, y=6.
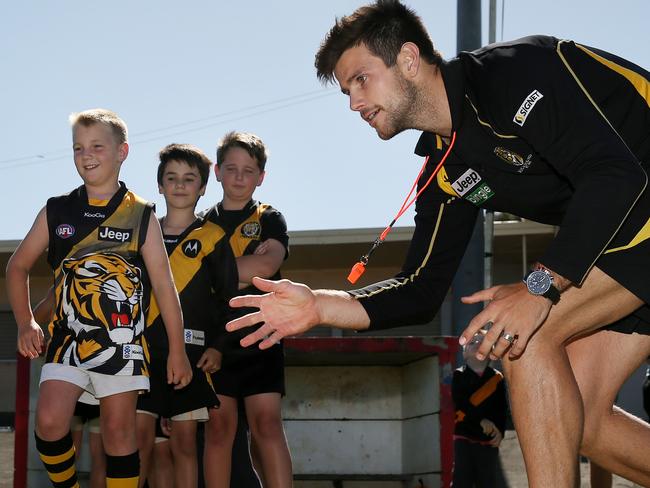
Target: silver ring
x=508, y=337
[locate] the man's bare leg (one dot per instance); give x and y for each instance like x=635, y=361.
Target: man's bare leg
x=546, y=403
x=614, y=439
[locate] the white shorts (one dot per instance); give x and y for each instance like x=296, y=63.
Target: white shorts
x=200, y=415
x=98, y=385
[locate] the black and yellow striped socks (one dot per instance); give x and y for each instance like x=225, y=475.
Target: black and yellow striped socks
x=58, y=458
x=122, y=471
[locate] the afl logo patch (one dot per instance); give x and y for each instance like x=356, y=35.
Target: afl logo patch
x=192, y=248
x=64, y=231
x=251, y=230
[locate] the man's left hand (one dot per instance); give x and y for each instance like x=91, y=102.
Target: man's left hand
x=514, y=315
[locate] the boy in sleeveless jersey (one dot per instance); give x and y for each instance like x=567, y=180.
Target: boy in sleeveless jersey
x=205, y=274
x=103, y=243
x=258, y=237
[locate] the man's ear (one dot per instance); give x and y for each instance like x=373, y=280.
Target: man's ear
x=261, y=178
x=217, y=172
x=160, y=189
x=408, y=59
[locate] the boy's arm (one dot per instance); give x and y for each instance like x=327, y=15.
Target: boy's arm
x=30, y=335
x=263, y=265
x=155, y=258
x=45, y=308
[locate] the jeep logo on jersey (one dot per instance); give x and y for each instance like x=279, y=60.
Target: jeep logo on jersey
x=113, y=234
x=526, y=107
x=468, y=180
x=191, y=248
x=64, y=231
x=252, y=230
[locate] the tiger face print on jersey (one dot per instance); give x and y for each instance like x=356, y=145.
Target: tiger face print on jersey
x=105, y=288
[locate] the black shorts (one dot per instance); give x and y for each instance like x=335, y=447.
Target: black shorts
x=164, y=400
x=250, y=372
x=627, y=260
x=86, y=411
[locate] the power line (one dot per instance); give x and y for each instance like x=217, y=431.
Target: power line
x=135, y=139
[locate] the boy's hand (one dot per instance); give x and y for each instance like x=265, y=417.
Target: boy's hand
x=30, y=340
x=179, y=371
x=210, y=361
x=490, y=429
x=166, y=426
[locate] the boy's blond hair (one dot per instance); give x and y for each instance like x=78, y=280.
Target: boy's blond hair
x=101, y=116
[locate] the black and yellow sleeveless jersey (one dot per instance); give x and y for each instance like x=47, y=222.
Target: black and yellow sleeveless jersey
x=205, y=275
x=246, y=229
x=100, y=281
x=549, y=130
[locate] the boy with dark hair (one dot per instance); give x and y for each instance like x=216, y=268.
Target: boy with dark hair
x=258, y=237
x=205, y=274
x=102, y=242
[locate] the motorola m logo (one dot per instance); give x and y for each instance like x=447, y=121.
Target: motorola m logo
x=191, y=248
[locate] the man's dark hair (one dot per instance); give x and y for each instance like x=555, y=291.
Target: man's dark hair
x=250, y=142
x=383, y=27
x=186, y=153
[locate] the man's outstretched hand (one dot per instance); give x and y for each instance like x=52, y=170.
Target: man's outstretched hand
x=286, y=309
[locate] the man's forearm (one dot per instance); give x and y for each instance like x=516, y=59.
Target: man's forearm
x=339, y=309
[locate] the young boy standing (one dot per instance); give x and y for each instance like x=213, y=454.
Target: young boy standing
x=205, y=274
x=102, y=242
x=258, y=236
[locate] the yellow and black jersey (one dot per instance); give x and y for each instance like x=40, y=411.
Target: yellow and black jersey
x=546, y=129
x=205, y=275
x=100, y=281
x=246, y=229
x=477, y=397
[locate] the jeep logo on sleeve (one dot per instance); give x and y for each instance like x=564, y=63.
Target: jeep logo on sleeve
x=468, y=180
x=113, y=234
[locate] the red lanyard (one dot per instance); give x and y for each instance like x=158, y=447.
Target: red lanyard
x=359, y=268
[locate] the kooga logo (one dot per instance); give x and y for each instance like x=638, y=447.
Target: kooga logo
x=526, y=107
x=114, y=234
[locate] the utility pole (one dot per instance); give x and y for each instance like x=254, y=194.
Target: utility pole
x=470, y=275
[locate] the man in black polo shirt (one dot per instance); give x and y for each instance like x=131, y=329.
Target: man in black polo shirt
x=552, y=131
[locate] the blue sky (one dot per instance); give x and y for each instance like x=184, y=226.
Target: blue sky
x=191, y=71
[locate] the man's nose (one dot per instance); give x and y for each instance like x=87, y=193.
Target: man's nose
x=356, y=102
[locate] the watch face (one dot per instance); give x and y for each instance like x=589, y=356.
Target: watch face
x=538, y=282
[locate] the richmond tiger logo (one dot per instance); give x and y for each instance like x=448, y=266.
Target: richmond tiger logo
x=102, y=291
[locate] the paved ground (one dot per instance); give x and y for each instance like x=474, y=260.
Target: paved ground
x=511, y=460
